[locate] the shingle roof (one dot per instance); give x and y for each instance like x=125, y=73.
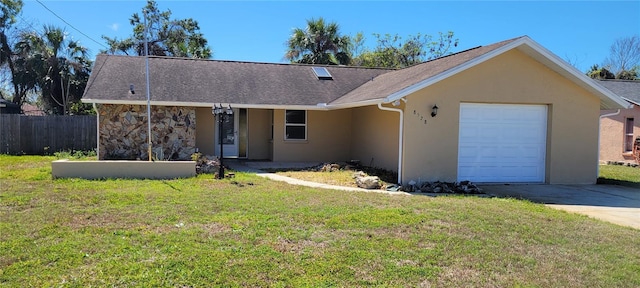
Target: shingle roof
x=191, y=82
x=392, y=82
x=629, y=89
x=213, y=81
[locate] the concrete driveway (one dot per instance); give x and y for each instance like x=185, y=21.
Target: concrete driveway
x=615, y=204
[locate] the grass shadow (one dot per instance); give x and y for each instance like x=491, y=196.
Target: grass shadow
x=625, y=183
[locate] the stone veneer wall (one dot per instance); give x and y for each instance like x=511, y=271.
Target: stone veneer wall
x=123, y=132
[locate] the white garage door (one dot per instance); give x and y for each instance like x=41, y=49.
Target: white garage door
x=502, y=143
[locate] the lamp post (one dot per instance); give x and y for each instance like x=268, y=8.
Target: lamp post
x=223, y=116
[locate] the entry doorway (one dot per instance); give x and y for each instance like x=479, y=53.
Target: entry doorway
x=234, y=135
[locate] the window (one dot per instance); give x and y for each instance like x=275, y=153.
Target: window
x=628, y=135
x=295, y=125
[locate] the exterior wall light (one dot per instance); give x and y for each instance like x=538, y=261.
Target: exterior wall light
x=434, y=111
x=222, y=115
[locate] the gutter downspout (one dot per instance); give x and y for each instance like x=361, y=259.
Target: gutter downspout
x=95, y=108
x=599, y=128
x=400, y=136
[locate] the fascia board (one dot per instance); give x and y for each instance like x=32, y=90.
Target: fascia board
x=631, y=101
x=205, y=104
x=319, y=106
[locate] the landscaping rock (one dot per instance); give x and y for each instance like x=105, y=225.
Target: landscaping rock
x=463, y=187
x=393, y=187
x=330, y=167
x=207, y=164
x=359, y=174
x=368, y=182
x=411, y=187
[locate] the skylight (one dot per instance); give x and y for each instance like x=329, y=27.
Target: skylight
x=322, y=73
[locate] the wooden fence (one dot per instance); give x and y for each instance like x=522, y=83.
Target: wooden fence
x=43, y=135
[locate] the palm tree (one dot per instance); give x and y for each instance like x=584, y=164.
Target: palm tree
x=318, y=43
x=54, y=65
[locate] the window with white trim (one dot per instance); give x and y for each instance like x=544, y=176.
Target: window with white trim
x=295, y=125
x=628, y=135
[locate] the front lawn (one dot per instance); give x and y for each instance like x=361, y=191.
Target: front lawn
x=249, y=231
x=619, y=175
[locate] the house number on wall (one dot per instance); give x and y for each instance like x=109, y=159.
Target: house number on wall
x=417, y=114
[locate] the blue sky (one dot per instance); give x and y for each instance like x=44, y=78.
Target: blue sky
x=578, y=31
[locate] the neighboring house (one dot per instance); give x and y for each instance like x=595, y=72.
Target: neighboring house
x=508, y=112
x=32, y=110
x=620, y=127
x=8, y=107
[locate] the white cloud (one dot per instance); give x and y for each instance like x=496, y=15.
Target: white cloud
x=114, y=26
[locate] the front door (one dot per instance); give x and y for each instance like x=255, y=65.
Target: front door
x=229, y=135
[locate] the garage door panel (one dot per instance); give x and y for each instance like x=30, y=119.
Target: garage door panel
x=468, y=133
x=485, y=133
x=468, y=114
x=533, y=152
x=502, y=143
x=479, y=153
x=516, y=173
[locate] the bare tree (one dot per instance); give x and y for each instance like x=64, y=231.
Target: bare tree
x=624, y=54
x=574, y=60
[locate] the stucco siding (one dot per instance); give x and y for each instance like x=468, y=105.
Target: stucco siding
x=431, y=148
x=259, y=134
x=375, y=137
x=205, y=131
x=612, y=134
x=328, y=137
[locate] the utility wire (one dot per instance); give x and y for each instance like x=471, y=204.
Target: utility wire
x=74, y=28
x=32, y=28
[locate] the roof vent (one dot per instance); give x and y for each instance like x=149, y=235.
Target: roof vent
x=322, y=73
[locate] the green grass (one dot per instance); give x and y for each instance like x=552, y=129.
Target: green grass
x=619, y=175
x=249, y=231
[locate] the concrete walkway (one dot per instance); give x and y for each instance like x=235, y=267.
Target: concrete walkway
x=616, y=204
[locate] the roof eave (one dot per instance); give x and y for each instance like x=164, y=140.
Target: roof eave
x=319, y=106
x=633, y=102
x=355, y=104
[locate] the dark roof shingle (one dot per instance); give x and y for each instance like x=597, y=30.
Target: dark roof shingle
x=213, y=81
x=392, y=82
x=629, y=89
x=193, y=82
